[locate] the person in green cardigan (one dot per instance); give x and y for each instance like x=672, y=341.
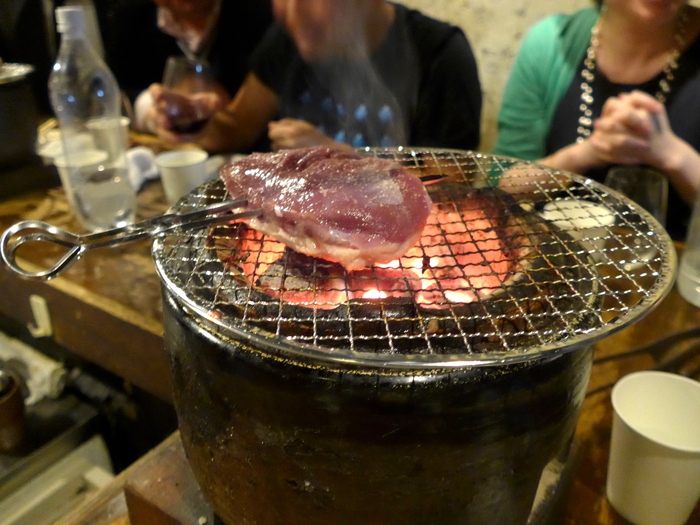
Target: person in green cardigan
x=618, y=83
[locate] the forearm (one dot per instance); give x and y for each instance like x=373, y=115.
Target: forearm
x=578, y=157
x=239, y=126
x=682, y=167
x=225, y=133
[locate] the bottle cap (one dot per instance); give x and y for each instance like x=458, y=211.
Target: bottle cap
x=70, y=19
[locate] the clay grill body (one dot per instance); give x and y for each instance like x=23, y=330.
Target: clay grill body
x=384, y=411
x=279, y=441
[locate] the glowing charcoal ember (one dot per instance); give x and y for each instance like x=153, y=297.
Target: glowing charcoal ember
x=476, y=277
x=466, y=257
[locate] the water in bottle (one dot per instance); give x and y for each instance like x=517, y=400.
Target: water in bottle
x=689, y=269
x=85, y=98
x=689, y=277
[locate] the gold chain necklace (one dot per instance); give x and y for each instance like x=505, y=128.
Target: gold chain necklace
x=585, y=121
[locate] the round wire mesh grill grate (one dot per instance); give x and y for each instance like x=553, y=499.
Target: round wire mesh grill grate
x=517, y=262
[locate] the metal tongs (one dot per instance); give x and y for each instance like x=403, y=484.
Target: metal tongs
x=30, y=231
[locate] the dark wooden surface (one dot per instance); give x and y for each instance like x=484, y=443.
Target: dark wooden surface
x=107, y=306
x=587, y=504
x=107, y=309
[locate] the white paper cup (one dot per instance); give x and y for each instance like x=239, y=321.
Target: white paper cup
x=654, y=468
x=54, y=148
x=585, y=221
x=110, y=134
x=181, y=171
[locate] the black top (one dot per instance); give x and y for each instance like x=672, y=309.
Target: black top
x=136, y=50
x=682, y=105
x=421, y=88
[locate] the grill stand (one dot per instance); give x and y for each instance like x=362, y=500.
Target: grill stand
x=351, y=446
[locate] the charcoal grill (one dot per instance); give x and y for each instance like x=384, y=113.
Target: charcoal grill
x=582, y=298
x=385, y=409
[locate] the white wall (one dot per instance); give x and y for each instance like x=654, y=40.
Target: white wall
x=495, y=29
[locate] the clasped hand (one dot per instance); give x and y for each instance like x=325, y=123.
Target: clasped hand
x=632, y=129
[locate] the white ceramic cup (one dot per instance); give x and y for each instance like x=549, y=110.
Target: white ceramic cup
x=181, y=171
x=86, y=158
x=654, y=467
x=585, y=221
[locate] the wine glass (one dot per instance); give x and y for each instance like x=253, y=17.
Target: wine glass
x=191, y=93
x=648, y=188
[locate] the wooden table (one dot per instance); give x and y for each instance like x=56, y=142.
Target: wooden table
x=107, y=308
x=587, y=504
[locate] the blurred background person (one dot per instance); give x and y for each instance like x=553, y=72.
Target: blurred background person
x=616, y=84
x=357, y=72
x=141, y=34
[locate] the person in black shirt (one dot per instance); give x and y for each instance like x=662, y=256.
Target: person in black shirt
x=141, y=34
x=358, y=72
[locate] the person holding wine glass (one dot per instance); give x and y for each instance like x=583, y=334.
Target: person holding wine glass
x=353, y=72
x=143, y=34
x=616, y=84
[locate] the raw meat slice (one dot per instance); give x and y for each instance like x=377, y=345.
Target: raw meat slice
x=333, y=203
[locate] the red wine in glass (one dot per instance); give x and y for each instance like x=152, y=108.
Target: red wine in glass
x=188, y=126
x=187, y=77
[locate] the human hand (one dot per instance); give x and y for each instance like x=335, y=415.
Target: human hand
x=527, y=181
x=632, y=129
x=291, y=133
x=178, y=117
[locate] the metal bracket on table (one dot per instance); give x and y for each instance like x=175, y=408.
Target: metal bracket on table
x=42, y=326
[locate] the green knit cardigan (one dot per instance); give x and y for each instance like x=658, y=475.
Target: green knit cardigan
x=543, y=70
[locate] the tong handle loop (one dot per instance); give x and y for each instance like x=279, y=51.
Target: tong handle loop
x=40, y=232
